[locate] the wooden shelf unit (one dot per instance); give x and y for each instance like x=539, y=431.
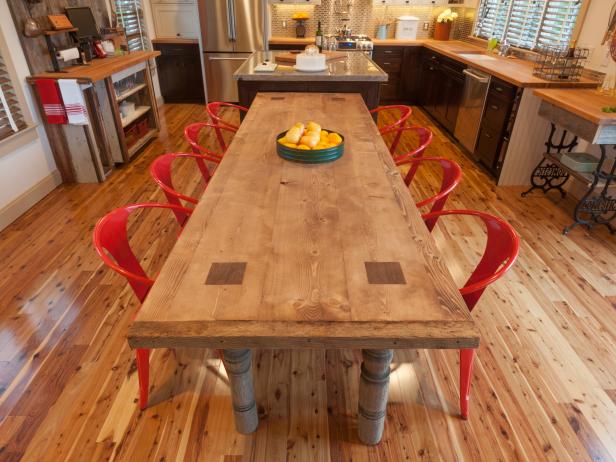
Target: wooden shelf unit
x=142, y=94
x=122, y=96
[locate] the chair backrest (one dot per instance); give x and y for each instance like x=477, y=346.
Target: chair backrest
x=405, y=113
x=192, y=132
x=110, y=240
x=213, y=109
x=501, y=251
x=161, y=173
x=425, y=139
x=452, y=175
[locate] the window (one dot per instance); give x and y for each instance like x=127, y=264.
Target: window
x=11, y=118
x=130, y=16
x=528, y=23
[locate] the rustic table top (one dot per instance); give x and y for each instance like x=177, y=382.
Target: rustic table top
x=586, y=103
x=286, y=255
x=99, y=69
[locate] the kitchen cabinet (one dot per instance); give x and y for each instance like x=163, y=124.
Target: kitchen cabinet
x=441, y=87
x=390, y=60
x=179, y=72
x=496, y=124
x=296, y=2
x=410, y=79
x=176, y=20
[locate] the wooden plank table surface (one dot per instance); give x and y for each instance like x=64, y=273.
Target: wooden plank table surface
x=286, y=255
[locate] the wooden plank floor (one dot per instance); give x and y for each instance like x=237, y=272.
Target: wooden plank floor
x=544, y=385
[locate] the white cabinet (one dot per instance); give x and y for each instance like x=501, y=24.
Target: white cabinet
x=395, y=2
x=176, y=20
x=296, y=2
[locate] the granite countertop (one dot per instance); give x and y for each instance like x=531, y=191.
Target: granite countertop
x=353, y=67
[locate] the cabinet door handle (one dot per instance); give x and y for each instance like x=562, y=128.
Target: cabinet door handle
x=488, y=136
x=387, y=64
x=499, y=89
x=388, y=51
x=494, y=107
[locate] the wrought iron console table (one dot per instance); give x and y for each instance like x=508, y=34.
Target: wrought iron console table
x=598, y=205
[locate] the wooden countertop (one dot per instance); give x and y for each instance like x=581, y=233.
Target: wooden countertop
x=515, y=71
x=252, y=268
x=99, y=69
x=176, y=41
x=586, y=103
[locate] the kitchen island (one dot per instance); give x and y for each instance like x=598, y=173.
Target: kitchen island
x=353, y=72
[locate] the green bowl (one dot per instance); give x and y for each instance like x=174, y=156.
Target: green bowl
x=318, y=156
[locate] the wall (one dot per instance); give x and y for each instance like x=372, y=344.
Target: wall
x=28, y=173
x=363, y=18
x=591, y=34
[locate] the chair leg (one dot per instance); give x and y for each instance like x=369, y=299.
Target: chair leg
x=143, y=373
x=466, y=372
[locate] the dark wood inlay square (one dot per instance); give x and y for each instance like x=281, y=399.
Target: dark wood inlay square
x=338, y=98
x=277, y=98
x=231, y=273
x=384, y=272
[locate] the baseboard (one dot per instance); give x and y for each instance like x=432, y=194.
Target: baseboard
x=21, y=204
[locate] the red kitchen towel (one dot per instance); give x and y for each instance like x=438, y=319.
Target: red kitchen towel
x=51, y=100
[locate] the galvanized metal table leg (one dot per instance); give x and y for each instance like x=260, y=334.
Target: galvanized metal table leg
x=238, y=366
x=373, y=390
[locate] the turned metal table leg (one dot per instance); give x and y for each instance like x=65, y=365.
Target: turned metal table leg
x=237, y=363
x=373, y=390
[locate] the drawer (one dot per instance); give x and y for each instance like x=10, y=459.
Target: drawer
x=503, y=89
x=488, y=144
x=389, y=90
x=387, y=53
x=177, y=49
x=390, y=65
x=496, y=113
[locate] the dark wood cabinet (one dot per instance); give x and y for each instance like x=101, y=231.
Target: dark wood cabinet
x=496, y=124
x=440, y=87
x=390, y=60
x=410, y=79
x=179, y=72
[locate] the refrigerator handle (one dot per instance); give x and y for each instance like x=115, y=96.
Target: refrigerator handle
x=231, y=20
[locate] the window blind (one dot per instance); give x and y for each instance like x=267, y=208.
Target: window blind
x=528, y=23
x=130, y=16
x=11, y=118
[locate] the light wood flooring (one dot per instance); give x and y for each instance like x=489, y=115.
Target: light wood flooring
x=544, y=385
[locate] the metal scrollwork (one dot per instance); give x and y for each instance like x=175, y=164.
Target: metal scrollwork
x=548, y=175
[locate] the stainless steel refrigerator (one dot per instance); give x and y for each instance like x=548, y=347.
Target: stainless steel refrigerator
x=230, y=31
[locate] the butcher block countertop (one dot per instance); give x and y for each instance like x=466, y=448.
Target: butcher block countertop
x=515, y=71
x=586, y=103
x=99, y=69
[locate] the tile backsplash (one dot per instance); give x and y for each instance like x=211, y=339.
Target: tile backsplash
x=363, y=18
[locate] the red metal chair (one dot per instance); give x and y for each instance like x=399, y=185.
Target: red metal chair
x=192, y=132
x=111, y=243
x=161, y=173
x=405, y=113
x=452, y=174
x=213, y=109
x=425, y=138
x=501, y=251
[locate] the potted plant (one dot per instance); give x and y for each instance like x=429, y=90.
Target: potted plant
x=442, y=28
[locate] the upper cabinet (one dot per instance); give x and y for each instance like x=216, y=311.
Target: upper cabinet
x=296, y=2
x=180, y=20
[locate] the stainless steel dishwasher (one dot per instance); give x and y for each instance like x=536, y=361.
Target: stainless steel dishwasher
x=468, y=121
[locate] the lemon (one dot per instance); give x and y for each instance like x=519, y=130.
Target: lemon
x=303, y=147
x=283, y=140
x=290, y=145
x=335, y=138
x=324, y=133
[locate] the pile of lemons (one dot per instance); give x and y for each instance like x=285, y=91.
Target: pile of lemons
x=310, y=137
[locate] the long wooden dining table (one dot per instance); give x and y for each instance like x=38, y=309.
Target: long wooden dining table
x=282, y=255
